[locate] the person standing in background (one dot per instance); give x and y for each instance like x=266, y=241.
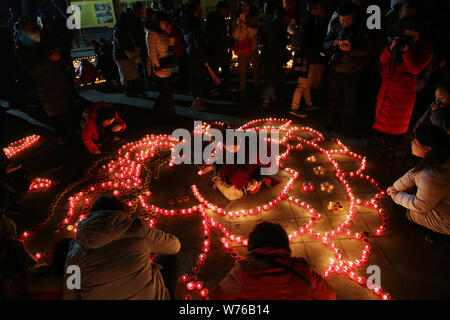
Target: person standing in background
x=159, y=39
x=246, y=28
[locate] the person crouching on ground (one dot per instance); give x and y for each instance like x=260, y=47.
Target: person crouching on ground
x=269, y=272
x=113, y=251
x=234, y=180
x=430, y=206
x=439, y=112
x=102, y=125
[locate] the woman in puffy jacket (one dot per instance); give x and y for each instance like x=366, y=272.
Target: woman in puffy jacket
x=400, y=65
x=159, y=39
x=102, y=123
x=247, y=27
x=113, y=252
x=430, y=205
x=269, y=272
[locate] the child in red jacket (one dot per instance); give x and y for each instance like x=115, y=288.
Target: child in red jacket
x=102, y=124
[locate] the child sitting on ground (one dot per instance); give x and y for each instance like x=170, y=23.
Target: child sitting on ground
x=102, y=125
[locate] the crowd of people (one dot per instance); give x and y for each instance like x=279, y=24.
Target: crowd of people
x=402, y=67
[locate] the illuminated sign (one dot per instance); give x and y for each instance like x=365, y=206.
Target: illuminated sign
x=96, y=13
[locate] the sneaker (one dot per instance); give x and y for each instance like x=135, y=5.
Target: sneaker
x=312, y=108
x=300, y=113
x=198, y=104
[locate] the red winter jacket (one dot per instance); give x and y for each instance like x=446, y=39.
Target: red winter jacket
x=397, y=94
x=90, y=132
x=255, y=279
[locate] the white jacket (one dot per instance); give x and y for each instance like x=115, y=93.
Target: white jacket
x=158, y=47
x=113, y=253
x=431, y=203
x=251, y=32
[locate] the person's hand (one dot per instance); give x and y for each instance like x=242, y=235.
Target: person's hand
x=337, y=43
x=405, y=48
x=97, y=152
x=11, y=168
x=393, y=43
x=54, y=56
x=206, y=64
x=391, y=191
x=434, y=105
x=252, y=185
x=345, y=45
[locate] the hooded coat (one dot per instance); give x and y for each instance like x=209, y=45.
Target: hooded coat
x=90, y=133
x=113, y=252
x=254, y=278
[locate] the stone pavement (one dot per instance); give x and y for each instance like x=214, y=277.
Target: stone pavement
x=409, y=269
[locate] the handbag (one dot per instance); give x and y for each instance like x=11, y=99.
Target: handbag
x=242, y=47
x=167, y=62
x=228, y=190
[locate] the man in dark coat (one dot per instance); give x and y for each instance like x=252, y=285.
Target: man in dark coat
x=347, y=41
x=219, y=42
x=126, y=53
x=275, y=55
x=138, y=33
x=308, y=48
x=194, y=38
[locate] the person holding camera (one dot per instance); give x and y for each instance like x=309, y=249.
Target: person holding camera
x=159, y=39
x=349, y=51
x=102, y=125
x=401, y=62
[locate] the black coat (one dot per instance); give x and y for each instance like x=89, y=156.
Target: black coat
x=218, y=40
x=275, y=54
x=355, y=59
x=136, y=28
x=195, y=40
x=123, y=39
x=51, y=81
x=309, y=38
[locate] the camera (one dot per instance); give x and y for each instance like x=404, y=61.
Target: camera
x=402, y=42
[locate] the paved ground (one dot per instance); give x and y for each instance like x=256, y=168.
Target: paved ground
x=409, y=269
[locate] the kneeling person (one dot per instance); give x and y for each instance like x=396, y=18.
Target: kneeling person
x=103, y=124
